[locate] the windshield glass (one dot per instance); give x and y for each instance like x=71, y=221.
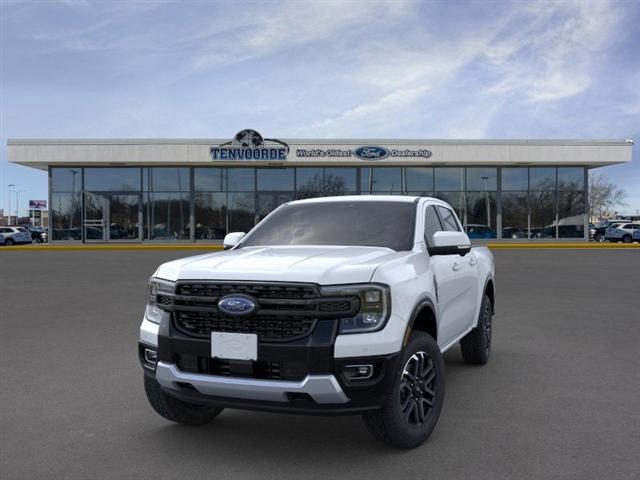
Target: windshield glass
x=359, y=223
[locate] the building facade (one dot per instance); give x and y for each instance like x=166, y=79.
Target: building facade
x=198, y=190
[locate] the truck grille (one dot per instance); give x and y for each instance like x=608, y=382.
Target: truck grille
x=285, y=311
x=270, y=328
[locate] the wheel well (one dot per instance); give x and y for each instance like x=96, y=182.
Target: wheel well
x=425, y=321
x=489, y=290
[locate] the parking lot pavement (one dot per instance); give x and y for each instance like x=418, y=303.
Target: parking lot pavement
x=560, y=397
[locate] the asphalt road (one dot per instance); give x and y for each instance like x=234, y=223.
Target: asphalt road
x=560, y=397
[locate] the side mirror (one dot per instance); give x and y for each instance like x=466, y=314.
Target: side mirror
x=232, y=239
x=450, y=243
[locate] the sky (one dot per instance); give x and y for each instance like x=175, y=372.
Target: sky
x=387, y=69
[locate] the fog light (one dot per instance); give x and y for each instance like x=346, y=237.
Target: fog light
x=358, y=372
x=150, y=356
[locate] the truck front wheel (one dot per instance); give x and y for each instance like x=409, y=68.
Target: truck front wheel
x=411, y=410
x=476, y=345
x=176, y=410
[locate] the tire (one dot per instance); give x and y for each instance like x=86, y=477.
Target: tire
x=599, y=238
x=36, y=241
x=176, y=410
x=9, y=242
x=408, y=416
x=626, y=239
x=476, y=345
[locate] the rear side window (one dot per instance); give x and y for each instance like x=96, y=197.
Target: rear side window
x=21, y=229
x=431, y=224
x=449, y=222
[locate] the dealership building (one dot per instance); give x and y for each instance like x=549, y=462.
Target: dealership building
x=197, y=190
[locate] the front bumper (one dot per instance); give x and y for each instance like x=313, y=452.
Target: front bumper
x=301, y=376
x=320, y=388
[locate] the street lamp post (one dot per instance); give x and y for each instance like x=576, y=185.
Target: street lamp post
x=18, y=192
x=9, y=212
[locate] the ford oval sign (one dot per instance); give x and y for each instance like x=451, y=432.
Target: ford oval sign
x=237, y=305
x=371, y=153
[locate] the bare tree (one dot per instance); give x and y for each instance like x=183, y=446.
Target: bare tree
x=604, y=196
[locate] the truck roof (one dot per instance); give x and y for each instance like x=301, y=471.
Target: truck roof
x=360, y=198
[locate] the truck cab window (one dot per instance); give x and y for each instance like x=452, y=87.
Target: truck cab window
x=449, y=222
x=431, y=224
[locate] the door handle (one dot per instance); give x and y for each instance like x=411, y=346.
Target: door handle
x=456, y=267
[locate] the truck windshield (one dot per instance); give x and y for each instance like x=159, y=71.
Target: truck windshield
x=359, y=223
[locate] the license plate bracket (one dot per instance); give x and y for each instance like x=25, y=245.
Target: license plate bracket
x=234, y=346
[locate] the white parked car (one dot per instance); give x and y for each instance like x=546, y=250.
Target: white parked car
x=622, y=232
x=15, y=235
x=339, y=305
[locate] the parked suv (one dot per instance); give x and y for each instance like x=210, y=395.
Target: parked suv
x=15, y=235
x=338, y=305
x=38, y=234
x=599, y=231
x=622, y=232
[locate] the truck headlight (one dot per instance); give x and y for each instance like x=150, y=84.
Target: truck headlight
x=375, y=306
x=160, y=293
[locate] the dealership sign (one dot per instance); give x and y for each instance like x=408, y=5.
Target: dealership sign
x=366, y=152
x=38, y=204
x=250, y=145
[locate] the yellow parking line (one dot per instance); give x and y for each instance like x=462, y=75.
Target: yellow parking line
x=549, y=246
x=48, y=248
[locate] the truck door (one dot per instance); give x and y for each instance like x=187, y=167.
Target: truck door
x=454, y=278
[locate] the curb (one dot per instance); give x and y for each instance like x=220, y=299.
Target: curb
x=566, y=246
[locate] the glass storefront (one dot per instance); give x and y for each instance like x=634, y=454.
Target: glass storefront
x=204, y=203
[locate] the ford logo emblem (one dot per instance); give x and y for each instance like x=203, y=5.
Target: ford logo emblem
x=371, y=153
x=237, y=305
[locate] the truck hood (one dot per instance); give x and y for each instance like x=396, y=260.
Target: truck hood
x=324, y=265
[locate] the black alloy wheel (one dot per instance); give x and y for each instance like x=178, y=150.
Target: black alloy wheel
x=418, y=388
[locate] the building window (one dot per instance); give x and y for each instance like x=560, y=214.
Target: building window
x=210, y=200
x=241, y=211
x=112, y=179
x=515, y=179
x=571, y=212
x=515, y=215
x=571, y=179
x=166, y=203
x=66, y=180
x=241, y=179
x=340, y=181
x=542, y=179
x=381, y=180
x=320, y=182
x=66, y=204
x=66, y=216
x=480, y=219
x=241, y=199
x=419, y=181
x=515, y=202
x=481, y=205
x=275, y=187
x=449, y=179
x=275, y=179
x=309, y=182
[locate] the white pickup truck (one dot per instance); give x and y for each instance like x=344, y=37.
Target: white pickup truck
x=339, y=305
